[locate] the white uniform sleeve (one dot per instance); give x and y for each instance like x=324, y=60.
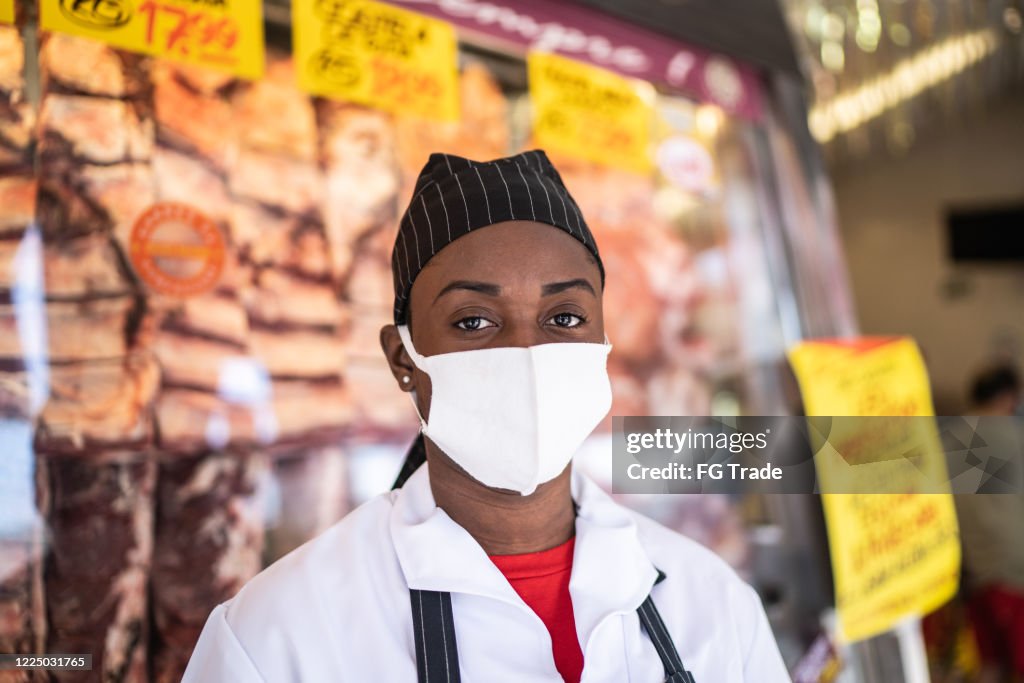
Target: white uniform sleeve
x=219, y=656
x=761, y=659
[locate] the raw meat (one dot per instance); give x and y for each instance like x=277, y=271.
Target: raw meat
x=190, y=121
x=22, y=615
x=15, y=139
x=123, y=191
x=295, y=352
x=17, y=118
x=79, y=199
x=191, y=422
x=277, y=182
x=218, y=317
x=65, y=212
x=311, y=413
x=79, y=65
x=89, y=266
x=93, y=129
x=8, y=251
x=363, y=338
x=274, y=297
x=86, y=329
x=658, y=359
x=205, y=81
x=99, y=405
x=380, y=408
x=17, y=121
x=484, y=128
x=192, y=362
x=99, y=513
x=274, y=116
x=15, y=398
x=209, y=539
x=362, y=177
x=12, y=62
x=183, y=178
x=368, y=283
x=266, y=238
x=634, y=327
x=17, y=205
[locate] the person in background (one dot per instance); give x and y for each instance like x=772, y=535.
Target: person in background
x=494, y=559
x=992, y=534
x=997, y=391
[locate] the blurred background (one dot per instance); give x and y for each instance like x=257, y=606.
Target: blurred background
x=917, y=107
x=822, y=169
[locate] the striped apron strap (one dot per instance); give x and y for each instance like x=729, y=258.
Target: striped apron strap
x=675, y=672
x=437, y=656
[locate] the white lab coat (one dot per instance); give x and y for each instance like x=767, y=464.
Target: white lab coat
x=337, y=609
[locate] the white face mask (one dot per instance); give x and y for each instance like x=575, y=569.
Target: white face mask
x=513, y=417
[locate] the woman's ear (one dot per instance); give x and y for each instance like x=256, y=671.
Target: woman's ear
x=398, y=360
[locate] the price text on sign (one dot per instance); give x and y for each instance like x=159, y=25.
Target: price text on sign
x=589, y=112
x=893, y=555
x=377, y=55
x=221, y=34
x=6, y=11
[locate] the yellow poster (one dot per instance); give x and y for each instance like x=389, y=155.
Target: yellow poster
x=6, y=11
x=377, y=55
x=221, y=34
x=591, y=113
x=893, y=555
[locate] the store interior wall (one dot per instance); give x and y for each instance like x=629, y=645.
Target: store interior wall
x=891, y=215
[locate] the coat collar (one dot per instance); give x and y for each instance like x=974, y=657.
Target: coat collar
x=611, y=570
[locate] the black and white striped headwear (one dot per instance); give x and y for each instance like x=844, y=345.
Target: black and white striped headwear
x=454, y=196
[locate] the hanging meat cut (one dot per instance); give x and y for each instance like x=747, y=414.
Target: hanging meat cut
x=96, y=593
x=209, y=538
x=99, y=405
x=70, y=64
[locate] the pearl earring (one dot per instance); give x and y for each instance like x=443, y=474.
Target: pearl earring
x=405, y=379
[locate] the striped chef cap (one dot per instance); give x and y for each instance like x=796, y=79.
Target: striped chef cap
x=454, y=195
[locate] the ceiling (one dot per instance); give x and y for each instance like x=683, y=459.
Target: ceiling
x=886, y=73
x=753, y=31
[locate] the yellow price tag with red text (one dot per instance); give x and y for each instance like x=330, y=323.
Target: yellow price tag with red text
x=377, y=55
x=893, y=555
x=221, y=34
x=591, y=113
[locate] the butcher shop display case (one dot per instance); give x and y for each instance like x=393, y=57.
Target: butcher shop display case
x=164, y=438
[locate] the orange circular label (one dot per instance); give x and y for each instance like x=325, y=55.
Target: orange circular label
x=177, y=250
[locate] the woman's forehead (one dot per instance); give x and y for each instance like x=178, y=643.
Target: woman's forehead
x=520, y=251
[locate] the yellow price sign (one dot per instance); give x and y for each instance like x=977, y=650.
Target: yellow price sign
x=221, y=34
x=377, y=55
x=6, y=11
x=591, y=113
x=893, y=555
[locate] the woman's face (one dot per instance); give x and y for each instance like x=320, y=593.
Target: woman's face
x=509, y=284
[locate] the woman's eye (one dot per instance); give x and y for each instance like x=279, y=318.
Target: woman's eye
x=474, y=323
x=566, y=320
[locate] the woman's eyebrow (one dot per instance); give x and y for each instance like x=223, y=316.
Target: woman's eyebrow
x=471, y=285
x=556, y=287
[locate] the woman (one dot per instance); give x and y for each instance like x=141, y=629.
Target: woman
x=494, y=560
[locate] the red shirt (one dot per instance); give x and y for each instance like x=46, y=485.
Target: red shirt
x=542, y=581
